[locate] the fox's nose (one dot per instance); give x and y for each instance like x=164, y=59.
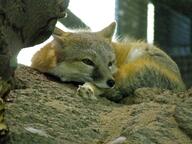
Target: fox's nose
x=110, y=82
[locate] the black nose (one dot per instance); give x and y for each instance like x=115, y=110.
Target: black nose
x=110, y=82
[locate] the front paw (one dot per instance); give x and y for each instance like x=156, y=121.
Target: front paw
x=86, y=91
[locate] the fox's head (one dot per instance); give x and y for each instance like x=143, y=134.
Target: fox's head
x=85, y=56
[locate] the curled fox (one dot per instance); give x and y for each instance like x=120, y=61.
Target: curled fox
x=112, y=69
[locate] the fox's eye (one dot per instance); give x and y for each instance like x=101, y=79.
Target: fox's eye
x=88, y=62
x=110, y=64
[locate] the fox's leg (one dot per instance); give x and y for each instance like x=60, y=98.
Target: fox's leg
x=113, y=94
x=88, y=91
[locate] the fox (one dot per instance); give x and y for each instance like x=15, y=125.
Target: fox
x=113, y=69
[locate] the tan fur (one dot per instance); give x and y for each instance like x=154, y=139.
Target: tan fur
x=128, y=67
x=44, y=59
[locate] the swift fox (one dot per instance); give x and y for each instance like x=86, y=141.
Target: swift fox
x=112, y=69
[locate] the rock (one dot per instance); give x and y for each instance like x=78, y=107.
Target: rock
x=183, y=115
x=3, y=126
x=53, y=114
x=23, y=23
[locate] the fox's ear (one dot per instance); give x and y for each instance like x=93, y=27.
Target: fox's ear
x=58, y=40
x=108, y=31
x=58, y=35
x=58, y=31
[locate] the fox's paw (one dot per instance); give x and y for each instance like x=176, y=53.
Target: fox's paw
x=86, y=91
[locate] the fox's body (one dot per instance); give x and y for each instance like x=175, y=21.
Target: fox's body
x=92, y=57
x=142, y=65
